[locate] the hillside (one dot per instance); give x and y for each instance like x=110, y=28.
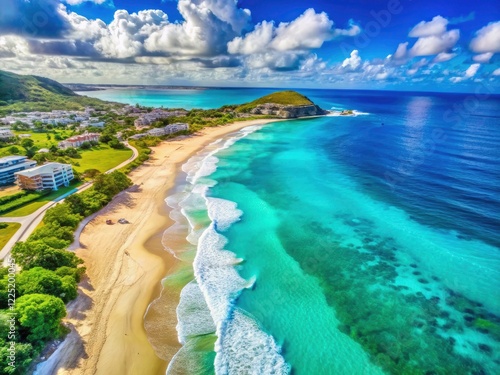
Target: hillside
x=284, y=104
x=20, y=93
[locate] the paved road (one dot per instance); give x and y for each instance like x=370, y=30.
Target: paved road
x=30, y=222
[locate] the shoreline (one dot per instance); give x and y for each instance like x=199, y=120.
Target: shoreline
x=125, y=266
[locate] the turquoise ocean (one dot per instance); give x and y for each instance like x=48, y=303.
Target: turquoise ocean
x=362, y=244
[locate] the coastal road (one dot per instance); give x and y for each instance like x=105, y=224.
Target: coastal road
x=30, y=222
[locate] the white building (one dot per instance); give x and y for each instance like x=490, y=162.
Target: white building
x=77, y=140
x=169, y=129
x=9, y=165
x=177, y=127
x=156, y=114
x=6, y=133
x=47, y=176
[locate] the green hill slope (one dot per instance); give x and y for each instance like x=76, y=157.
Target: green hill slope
x=14, y=87
x=280, y=97
x=20, y=93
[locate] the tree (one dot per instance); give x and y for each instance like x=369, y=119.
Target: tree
x=14, y=150
x=39, y=280
x=4, y=293
x=41, y=158
x=32, y=254
x=53, y=230
x=91, y=173
x=72, y=152
x=69, y=288
x=75, y=273
x=86, y=145
x=27, y=143
x=105, y=137
x=112, y=183
x=62, y=215
x=24, y=355
x=53, y=148
x=30, y=152
x=116, y=144
x=39, y=317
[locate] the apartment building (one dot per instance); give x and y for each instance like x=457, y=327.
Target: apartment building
x=9, y=165
x=77, y=140
x=47, y=176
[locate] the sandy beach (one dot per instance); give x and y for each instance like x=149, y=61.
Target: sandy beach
x=125, y=265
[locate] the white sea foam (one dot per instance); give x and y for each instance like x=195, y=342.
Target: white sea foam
x=223, y=213
x=193, y=315
x=242, y=347
x=246, y=349
x=335, y=112
x=207, y=305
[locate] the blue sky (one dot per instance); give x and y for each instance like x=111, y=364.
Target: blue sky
x=420, y=45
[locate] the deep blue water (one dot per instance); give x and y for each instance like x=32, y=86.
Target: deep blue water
x=426, y=154
x=372, y=242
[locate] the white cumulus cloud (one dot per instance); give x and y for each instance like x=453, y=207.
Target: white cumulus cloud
x=483, y=57
x=436, y=26
x=443, y=56
x=78, y=2
x=209, y=25
x=435, y=44
x=401, y=53
x=310, y=30
x=125, y=35
x=352, y=62
x=487, y=39
x=472, y=70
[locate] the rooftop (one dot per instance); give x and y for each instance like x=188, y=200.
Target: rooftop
x=41, y=169
x=6, y=159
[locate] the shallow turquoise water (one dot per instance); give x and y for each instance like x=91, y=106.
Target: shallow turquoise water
x=334, y=268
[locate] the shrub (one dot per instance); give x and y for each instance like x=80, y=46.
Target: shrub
x=62, y=215
x=39, y=317
x=33, y=253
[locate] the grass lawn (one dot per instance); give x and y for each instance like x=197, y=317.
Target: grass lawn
x=7, y=233
x=41, y=139
x=35, y=205
x=102, y=158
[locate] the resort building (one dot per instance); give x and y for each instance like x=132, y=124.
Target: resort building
x=177, y=127
x=47, y=176
x=169, y=129
x=160, y=132
x=6, y=133
x=9, y=165
x=155, y=115
x=77, y=140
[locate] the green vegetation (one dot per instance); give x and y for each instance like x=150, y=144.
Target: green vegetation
x=93, y=199
x=29, y=88
x=25, y=206
x=143, y=147
x=281, y=97
x=31, y=93
x=49, y=274
x=7, y=230
x=18, y=200
x=102, y=158
x=44, y=138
